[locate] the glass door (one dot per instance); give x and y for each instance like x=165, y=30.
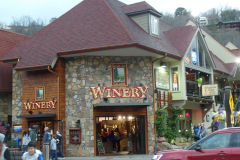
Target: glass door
x=140, y=134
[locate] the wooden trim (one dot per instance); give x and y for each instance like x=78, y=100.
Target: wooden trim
x=95, y=136
x=32, y=67
x=146, y=134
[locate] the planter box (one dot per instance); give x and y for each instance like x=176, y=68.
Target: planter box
x=13, y=149
x=198, y=99
x=191, y=98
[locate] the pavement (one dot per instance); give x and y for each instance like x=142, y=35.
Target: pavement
x=115, y=157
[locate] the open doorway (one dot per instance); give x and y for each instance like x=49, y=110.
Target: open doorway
x=125, y=124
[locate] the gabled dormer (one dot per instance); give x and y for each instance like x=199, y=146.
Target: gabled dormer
x=145, y=16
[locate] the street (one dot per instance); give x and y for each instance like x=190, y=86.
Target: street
x=122, y=157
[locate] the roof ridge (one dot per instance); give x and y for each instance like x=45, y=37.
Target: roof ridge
x=14, y=32
x=119, y=21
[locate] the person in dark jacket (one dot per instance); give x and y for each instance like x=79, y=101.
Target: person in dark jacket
x=59, y=142
x=32, y=134
x=5, y=153
x=47, y=136
x=197, y=132
x=118, y=139
x=113, y=139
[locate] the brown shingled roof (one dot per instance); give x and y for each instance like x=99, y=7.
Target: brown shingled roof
x=8, y=40
x=181, y=37
x=227, y=68
x=140, y=6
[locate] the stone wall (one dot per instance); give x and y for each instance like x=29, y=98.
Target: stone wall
x=16, y=100
x=83, y=72
x=3, y=107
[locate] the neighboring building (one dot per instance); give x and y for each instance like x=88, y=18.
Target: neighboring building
x=203, y=21
x=228, y=25
x=8, y=40
x=96, y=65
x=230, y=46
x=2, y=26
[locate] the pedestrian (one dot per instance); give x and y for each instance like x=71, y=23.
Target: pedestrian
x=215, y=124
x=130, y=142
x=53, y=147
x=47, y=136
x=197, y=131
x=33, y=153
x=118, y=139
x=113, y=139
x=4, y=151
x=25, y=141
x=203, y=131
x=32, y=134
x=104, y=138
x=59, y=143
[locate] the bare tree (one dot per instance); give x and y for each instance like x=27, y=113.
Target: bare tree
x=26, y=25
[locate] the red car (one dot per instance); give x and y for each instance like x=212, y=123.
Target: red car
x=220, y=145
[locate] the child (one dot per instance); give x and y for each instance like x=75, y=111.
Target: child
x=33, y=153
x=53, y=148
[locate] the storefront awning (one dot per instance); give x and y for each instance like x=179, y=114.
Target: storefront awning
x=38, y=116
x=122, y=104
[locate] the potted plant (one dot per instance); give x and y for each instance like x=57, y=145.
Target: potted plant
x=205, y=100
x=190, y=98
x=12, y=145
x=198, y=99
x=161, y=117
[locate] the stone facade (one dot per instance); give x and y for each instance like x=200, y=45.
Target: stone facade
x=83, y=72
x=4, y=107
x=16, y=100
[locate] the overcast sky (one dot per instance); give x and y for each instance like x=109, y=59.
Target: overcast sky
x=46, y=9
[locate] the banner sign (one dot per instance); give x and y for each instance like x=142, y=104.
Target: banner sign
x=138, y=92
x=40, y=105
x=162, y=80
x=210, y=90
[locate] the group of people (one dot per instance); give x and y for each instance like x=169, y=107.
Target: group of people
x=29, y=143
x=199, y=132
x=114, y=136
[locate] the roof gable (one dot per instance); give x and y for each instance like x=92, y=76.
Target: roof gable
x=8, y=40
x=92, y=24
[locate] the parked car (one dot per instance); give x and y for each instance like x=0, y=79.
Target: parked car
x=221, y=144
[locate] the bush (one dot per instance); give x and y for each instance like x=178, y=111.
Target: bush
x=12, y=144
x=161, y=122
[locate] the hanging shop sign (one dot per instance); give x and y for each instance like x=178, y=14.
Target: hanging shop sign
x=209, y=89
x=162, y=79
x=40, y=105
x=138, y=92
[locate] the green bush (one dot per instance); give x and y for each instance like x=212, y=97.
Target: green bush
x=161, y=118
x=12, y=144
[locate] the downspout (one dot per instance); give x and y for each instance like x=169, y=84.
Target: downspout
x=153, y=80
x=57, y=92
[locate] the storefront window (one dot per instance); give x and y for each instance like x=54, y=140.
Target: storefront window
x=200, y=52
x=175, y=81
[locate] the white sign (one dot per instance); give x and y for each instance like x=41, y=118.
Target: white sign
x=210, y=90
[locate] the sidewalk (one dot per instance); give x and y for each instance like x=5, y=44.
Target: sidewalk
x=117, y=157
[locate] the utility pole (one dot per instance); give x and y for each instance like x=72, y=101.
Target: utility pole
x=227, y=106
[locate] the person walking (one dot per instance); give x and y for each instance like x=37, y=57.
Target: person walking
x=32, y=134
x=196, y=132
x=25, y=141
x=59, y=143
x=203, y=131
x=4, y=151
x=33, y=153
x=47, y=136
x=113, y=139
x=53, y=147
x=118, y=139
x=104, y=139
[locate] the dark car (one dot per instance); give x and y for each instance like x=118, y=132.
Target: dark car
x=220, y=145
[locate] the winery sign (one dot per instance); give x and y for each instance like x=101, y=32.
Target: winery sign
x=40, y=105
x=138, y=92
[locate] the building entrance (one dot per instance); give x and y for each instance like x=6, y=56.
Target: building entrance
x=127, y=125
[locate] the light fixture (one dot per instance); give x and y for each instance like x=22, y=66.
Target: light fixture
x=163, y=64
x=199, y=72
x=144, y=99
x=216, y=77
x=30, y=112
x=105, y=99
x=224, y=79
x=179, y=130
x=129, y=117
x=119, y=117
x=207, y=75
x=191, y=69
x=156, y=90
x=233, y=81
x=78, y=123
x=123, y=117
x=238, y=60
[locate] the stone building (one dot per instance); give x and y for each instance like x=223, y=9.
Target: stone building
x=98, y=67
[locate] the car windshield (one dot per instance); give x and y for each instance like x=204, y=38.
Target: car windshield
x=190, y=147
